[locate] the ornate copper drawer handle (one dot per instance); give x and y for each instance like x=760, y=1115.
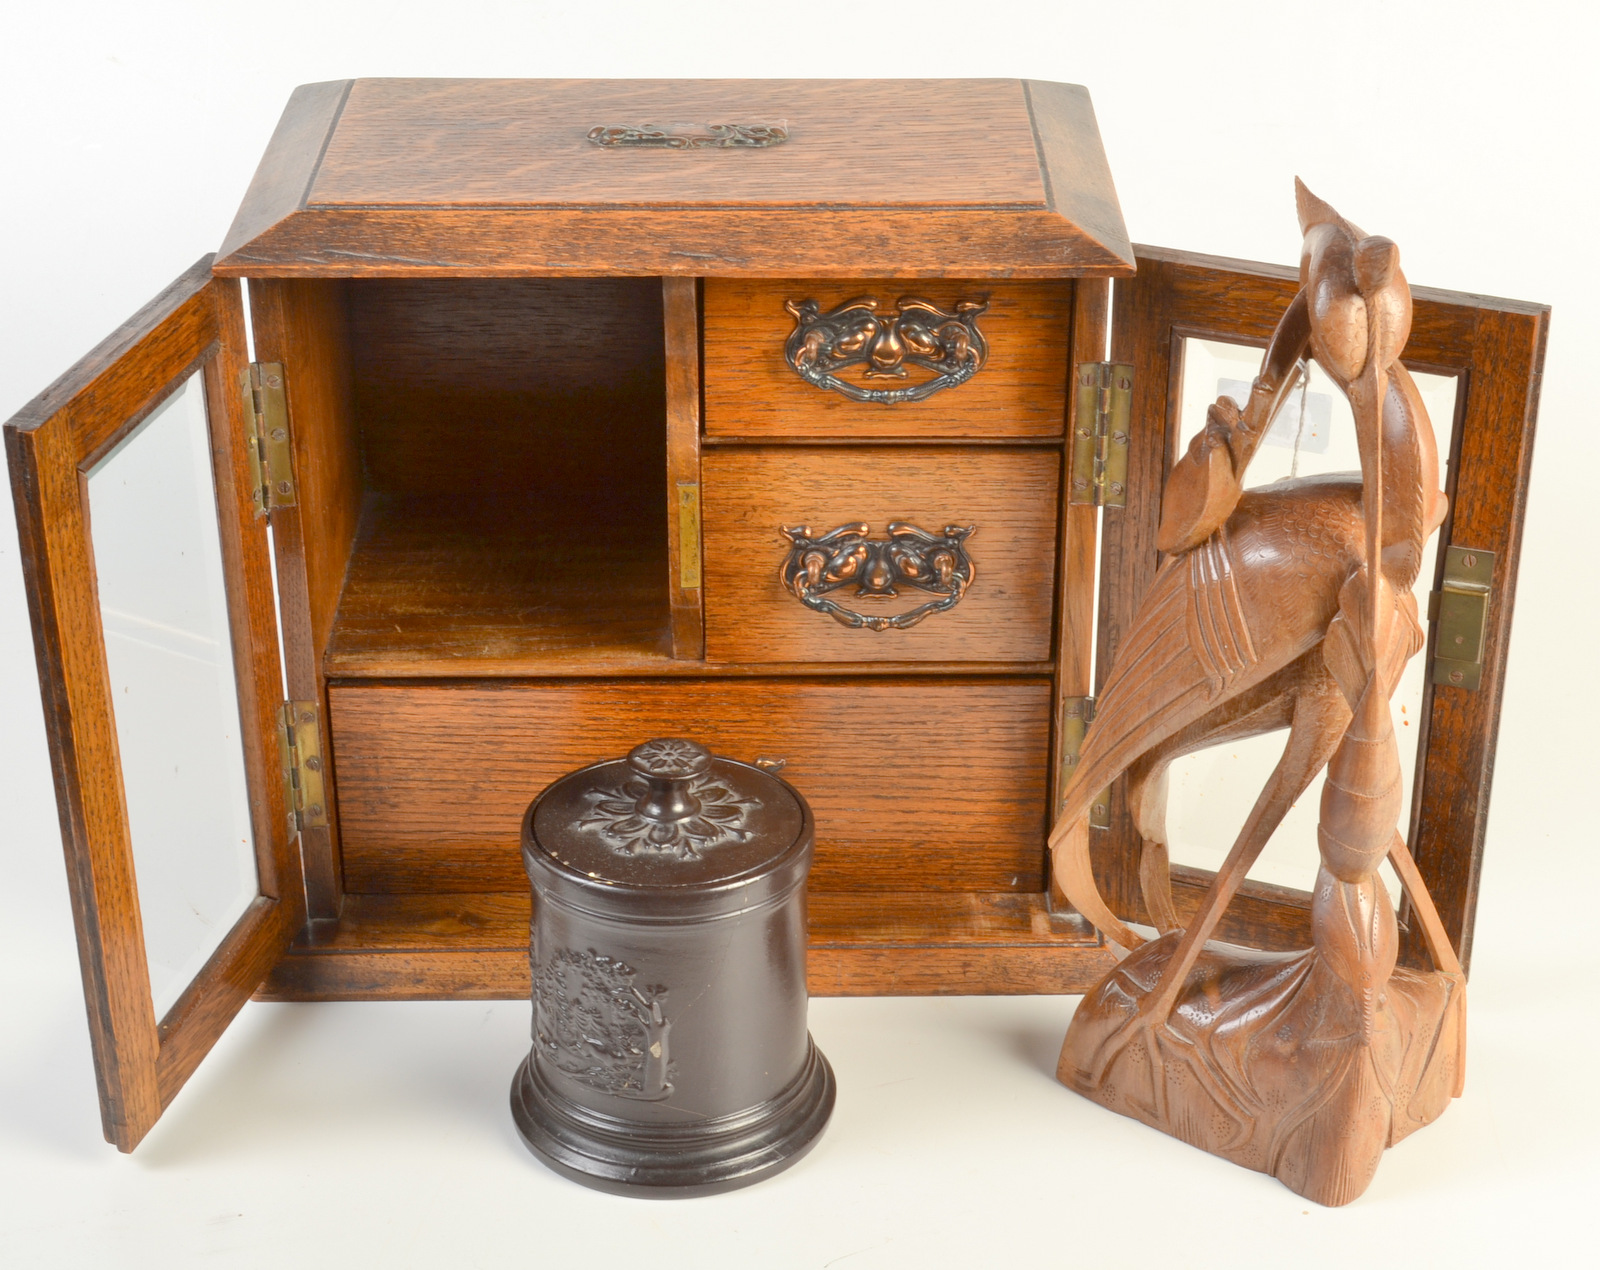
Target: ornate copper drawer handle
x=714, y=136
x=914, y=331
x=936, y=563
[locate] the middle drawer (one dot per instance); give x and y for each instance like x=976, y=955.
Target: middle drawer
x=791, y=577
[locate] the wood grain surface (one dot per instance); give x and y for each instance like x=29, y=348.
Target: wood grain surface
x=512, y=436
x=496, y=585
x=680, y=299
x=279, y=186
x=1011, y=495
x=925, y=784
x=541, y=388
x=452, y=946
x=303, y=325
x=1496, y=347
x=419, y=176
x=752, y=391
x=1080, y=539
x=196, y=324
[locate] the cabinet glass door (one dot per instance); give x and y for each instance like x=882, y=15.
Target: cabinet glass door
x=149, y=579
x=169, y=659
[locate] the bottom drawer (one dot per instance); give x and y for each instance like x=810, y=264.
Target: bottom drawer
x=918, y=784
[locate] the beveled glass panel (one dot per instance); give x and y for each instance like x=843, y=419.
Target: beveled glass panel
x=1213, y=791
x=163, y=607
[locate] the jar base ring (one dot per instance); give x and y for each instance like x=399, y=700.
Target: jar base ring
x=677, y=1161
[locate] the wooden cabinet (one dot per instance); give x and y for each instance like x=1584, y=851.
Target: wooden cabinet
x=790, y=430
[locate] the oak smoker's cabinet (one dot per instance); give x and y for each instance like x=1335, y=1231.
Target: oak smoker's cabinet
x=790, y=429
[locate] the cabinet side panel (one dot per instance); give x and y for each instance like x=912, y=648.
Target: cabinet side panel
x=1080, y=528
x=681, y=311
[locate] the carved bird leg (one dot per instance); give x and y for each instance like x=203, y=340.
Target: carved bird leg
x=1434, y=935
x=1320, y=715
x=1268, y=707
x=1320, y=718
x=1147, y=803
x=1211, y=635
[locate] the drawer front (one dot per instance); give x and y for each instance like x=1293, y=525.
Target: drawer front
x=772, y=597
x=931, y=785
x=1020, y=336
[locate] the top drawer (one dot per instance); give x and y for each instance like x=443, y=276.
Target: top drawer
x=752, y=389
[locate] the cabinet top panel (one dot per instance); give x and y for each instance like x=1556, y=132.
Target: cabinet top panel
x=829, y=178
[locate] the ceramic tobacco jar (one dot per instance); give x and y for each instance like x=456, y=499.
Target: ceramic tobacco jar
x=670, y=1052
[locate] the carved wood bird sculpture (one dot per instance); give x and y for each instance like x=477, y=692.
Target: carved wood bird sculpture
x=1285, y=606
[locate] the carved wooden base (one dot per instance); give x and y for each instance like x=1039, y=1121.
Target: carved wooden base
x=1264, y=1062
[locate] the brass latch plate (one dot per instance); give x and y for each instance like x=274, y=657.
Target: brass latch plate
x=301, y=747
x=1100, y=434
x=267, y=414
x=688, y=535
x=1460, y=612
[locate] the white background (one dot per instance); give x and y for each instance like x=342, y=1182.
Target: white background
x=378, y=1134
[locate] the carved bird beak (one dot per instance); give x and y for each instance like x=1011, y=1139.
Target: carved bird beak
x=1358, y=300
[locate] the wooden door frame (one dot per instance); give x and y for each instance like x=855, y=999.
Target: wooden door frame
x=195, y=325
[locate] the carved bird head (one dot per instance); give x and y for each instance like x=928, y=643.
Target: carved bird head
x=1359, y=302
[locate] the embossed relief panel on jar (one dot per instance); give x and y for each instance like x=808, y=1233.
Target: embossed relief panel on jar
x=1211, y=792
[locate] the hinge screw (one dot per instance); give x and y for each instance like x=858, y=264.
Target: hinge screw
x=314, y=810
x=313, y=763
x=1456, y=676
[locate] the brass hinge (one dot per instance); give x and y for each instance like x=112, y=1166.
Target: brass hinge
x=1100, y=434
x=267, y=414
x=1076, y=715
x=1460, y=612
x=301, y=747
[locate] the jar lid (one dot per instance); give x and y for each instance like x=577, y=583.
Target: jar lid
x=670, y=815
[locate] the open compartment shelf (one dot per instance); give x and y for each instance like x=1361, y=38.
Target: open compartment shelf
x=501, y=585
x=512, y=459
